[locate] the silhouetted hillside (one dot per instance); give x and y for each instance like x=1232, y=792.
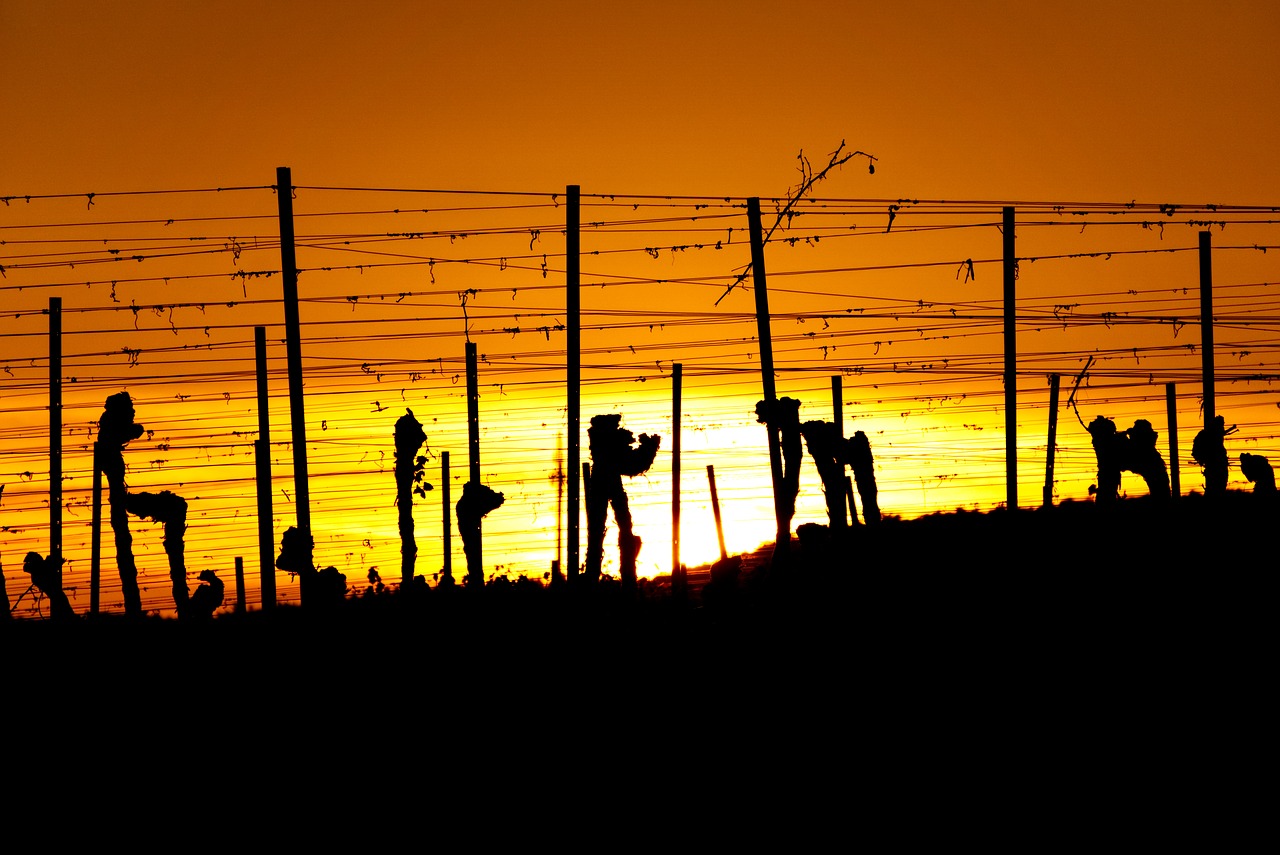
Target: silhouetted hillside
x=1104, y=585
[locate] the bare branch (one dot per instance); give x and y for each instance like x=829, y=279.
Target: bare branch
x=808, y=178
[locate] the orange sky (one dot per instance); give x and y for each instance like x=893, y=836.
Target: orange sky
x=1080, y=100
x=1006, y=102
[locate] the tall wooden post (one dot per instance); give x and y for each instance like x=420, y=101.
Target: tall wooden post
x=1054, y=381
x=837, y=418
x=715, y=510
x=293, y=352
x=239, y=608
x=473, y=413
x=447, y=535
x=473, y=439
x=262, y=461
x=782, y=545
x=1171, y=404
x=677, y=380
x=573, y=366
x=1206, y=327
x=1010, y=364
x=95, y=535
x=55, y=436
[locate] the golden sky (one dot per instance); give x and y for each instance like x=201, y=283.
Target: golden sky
x=1022, y=104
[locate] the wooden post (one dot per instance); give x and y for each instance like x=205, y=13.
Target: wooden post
x=95, y=536
x=473, y=414
x=782, y=546
x=473, y=439
x=556, y=576
x=573, y=366
x=1010, y=365
x=1171, y=404
x=1206, y=327
x=262, y=461
x=677, y=379
x=447, y=571
x=837, y=418
x=239, y=585
x=1054, y=381
x=293, y=352
x=55, y=436
x=715, y=510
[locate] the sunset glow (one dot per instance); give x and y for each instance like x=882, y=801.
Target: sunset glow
x=430, y=149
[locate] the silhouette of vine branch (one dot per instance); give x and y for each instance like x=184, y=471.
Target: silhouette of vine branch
x=808, y=179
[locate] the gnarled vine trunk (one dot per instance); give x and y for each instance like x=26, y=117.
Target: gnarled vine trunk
x=170, y=509
x=321, y=590
x=613, y=455
x=1133, y=450
x=1141, y=457
x=782, y=416
x=409, y=437
x=44, y=575
x=827, y=449
x=1258, y=470
x=116, y=427
x=477, y=501
x=206, y=598
x=1209, y=449
x=864, y=475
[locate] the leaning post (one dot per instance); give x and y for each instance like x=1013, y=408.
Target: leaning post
x=782, y=546
x=715, y=509
x=293, y=353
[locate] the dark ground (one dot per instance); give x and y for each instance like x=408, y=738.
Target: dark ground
x=1045, y=607
x=1069, y=675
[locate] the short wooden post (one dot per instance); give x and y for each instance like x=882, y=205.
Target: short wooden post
x=1054, y=381
x=715, y=509
x=1171, y=404
x=239, y=585
x=95, y=536
x=446, y=535
x=262, y=460
x=837, y=418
